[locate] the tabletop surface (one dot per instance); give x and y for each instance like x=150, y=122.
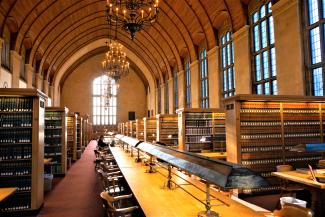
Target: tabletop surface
x=302, y=178
x=6, y=192
x=155, y=200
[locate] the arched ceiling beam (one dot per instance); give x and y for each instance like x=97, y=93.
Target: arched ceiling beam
x=74, y=42
x=98, y=51
x=91, y=46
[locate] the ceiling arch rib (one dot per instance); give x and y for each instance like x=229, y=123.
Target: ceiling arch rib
x=85, y=45
x=9, y=5
x=204, y=20
x=74, y=42
x=63, y=19
x=125, y=40
x=60, y=34
x=91, y=46
x=181, y=29
x=176, y=28
x=99, y=51
x=190, y=20
x=37, y=9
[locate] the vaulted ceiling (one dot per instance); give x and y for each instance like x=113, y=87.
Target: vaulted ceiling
x=54, y=30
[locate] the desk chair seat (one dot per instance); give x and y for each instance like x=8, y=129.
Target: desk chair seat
x=291, y=210
x=113, y=208
x=111, y=182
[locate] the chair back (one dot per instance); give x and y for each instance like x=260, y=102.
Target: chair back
x=108, y=201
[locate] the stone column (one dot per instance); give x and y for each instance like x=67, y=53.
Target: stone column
x=214, y=78
x=162, y=97
x=29, y=69
x=181, y=89
x=171, y=96
x=46, y=87
x=1, y=44
x=39, y=81
x=156, y=101
x=242, y=58
x=289, y=47
x=195, y=87
x=15, y=68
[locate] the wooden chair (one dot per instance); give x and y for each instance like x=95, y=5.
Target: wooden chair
x=113, y=211
x=291, y=210
x=111, y=182
x=286, y=186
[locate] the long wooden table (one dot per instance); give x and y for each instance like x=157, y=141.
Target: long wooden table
x=317, y=189
x=299, y=177
x=6, y=192
x=158, y=201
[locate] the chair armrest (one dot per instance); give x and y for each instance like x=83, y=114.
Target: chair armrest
x=127, y=209
x=113, y=173
x=126, y=196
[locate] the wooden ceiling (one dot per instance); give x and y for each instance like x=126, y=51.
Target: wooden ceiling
x=54, y=30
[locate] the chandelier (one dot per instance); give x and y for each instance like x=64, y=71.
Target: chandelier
x=132, y=15
x=115, y=64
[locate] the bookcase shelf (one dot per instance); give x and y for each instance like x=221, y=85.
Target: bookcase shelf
x=150, y=129
x=85, y=135
x=261, y=131
x=21, y=148
x=133, y=128
x=167, y=129
x=201, y=130
x=130, y=126
x=139, y=129
x=72, y=136
x=55, y=142
x=80, y=145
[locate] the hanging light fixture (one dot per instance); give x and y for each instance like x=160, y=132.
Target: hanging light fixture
x=114, y=66
x=132, y=15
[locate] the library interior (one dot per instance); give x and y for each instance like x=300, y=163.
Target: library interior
x=162, y=108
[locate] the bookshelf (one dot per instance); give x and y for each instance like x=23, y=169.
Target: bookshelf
x=22, y=148
x=80, y=145
x=167, y=129
x=139, y=129
x=261, y=131
x=150, y=129
x=72, y=136
x=130, y=126
x=119, y=128
x=85, y=126
x=201, y=130
x=126, y=128
x=133, y=129
x=55, y=142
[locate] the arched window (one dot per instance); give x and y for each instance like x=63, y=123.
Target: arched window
x=104, y=101
x=263, y=50
x=187, y=84
x=315, y=32
x=227, y=64
x=204, y=84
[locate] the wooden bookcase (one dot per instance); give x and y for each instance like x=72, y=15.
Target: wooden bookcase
x=150, y=129
x=85, y=126
x=80, y=145
x=167, y=129
x=72, y=136
x=22, y=148
x=130, y=126
x=126, y=128
x=261, y=131
x=133, y=128
x=119, y=128
x=201, y=130
x=139, y=129
x=55, y=142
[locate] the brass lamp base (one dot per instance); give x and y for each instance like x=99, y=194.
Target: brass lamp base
x=208, y=213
